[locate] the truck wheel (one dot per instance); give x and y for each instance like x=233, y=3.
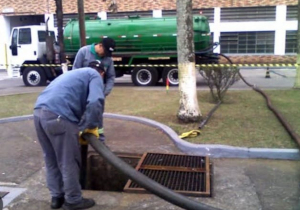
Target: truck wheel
x=171, y=73
x=144, y=76
x=34, y=76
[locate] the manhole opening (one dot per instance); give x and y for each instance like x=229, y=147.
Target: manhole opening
x=184, y=174
x=102, y=176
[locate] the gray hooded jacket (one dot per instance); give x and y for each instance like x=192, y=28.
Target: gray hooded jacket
x=76, y=96
x=85, y=55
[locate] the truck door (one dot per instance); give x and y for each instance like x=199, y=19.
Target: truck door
x=21, y=46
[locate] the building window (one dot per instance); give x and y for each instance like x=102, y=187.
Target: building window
x=247, y=42
x=240, y=14
x=25, y=36
x=292, y=12
x=291, y=42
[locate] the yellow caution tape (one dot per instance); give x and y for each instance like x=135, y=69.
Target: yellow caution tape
x=170, y=65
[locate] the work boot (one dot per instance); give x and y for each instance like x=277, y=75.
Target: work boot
x=83, y=204
x=56, y=203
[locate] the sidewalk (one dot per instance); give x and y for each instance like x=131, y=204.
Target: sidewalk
x=249, y=184
x=3, y=74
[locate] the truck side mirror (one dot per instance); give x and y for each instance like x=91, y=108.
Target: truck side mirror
x=14, y=49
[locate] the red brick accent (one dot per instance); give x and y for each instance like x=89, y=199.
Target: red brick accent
x=70, y=6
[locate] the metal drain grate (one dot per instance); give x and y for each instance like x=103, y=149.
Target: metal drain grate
x=185, y=174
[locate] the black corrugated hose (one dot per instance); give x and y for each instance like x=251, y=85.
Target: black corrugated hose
x=144, y=181
x=279, y=116
x=203, y=123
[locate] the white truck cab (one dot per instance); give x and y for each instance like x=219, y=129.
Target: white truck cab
x=28, y=46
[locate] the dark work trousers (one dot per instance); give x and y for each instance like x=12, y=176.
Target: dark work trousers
x=59, y=140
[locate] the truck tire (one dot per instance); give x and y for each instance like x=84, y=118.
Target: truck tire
x=34, y=76
x=144, y=76
x=171, y=73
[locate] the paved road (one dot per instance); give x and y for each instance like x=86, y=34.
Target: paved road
x=280, y=79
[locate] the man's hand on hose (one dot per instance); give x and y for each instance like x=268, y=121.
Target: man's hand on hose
x=93, y=131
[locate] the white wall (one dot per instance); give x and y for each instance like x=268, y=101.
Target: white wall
x=5, y=32
x=157, y=13
x=280, y=31
x=215, y=27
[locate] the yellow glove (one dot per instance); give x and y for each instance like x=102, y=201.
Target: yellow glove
x=190, y=134
x=93, y=131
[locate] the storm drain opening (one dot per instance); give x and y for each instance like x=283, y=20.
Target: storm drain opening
x=102, y=176
x=185, y=174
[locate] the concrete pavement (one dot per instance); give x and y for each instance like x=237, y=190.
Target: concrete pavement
x=250, y=184
x=3, y=74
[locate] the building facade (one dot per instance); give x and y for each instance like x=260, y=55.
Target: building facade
x=249, y=31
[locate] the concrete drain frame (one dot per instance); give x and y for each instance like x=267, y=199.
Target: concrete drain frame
x=185, y=174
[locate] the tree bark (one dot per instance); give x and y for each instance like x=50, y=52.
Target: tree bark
x=81, y=19
x=59, y=14
x=297, y=79
x=189, y=110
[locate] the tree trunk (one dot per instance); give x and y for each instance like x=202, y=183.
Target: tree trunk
x=189, y=109
x=81, y=19
x=59, y=14
x=297, y=80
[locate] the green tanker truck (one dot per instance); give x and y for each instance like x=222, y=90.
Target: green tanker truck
x=141, y=41
x=145, y=48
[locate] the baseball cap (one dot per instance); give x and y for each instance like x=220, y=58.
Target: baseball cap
x=97, y=64
x=109, y=46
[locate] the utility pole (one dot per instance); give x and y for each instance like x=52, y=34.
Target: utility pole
x=59, y=15
x=297, y=79
x=81, y=19
x=189, y=110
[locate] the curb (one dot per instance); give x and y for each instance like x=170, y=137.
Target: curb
x=212, y=150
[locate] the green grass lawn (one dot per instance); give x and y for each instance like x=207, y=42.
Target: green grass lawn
x=242, y=120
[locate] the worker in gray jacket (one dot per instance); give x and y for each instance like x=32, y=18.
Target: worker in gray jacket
x=58, y=119
x=101, y=51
